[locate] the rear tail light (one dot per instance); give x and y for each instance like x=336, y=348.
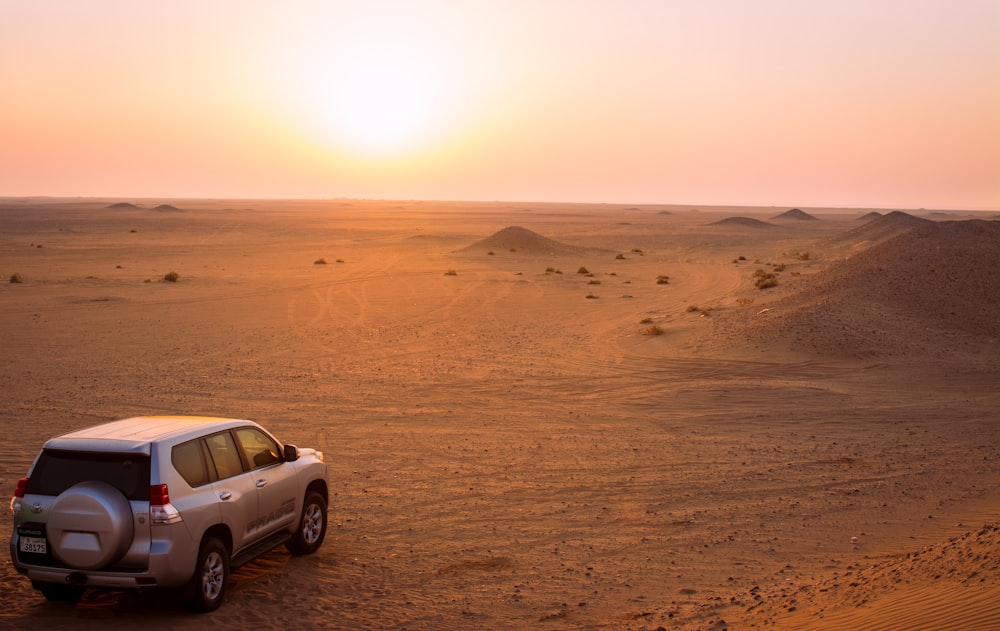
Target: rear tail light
x=161, y=511
x=15, y=502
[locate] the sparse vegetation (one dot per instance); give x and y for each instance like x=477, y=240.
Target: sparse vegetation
x=637, y=251
x=319, y=262
x=744, y=302
x=620, y=257
x=646, y=321
x=171, y=277
x=780, y=267
x=592, y=297
x=490, y=253
x=594, y=282
x=340, y=260
x=16, y=278
x=652, y=330
x=741, y=258
x=693, y=308
x=662, y=280
x=451, y=272
x=764, y=280
x=583, y=270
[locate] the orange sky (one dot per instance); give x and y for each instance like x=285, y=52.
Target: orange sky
x=860, y=103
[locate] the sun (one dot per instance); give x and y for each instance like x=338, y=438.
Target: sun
x=378, y=102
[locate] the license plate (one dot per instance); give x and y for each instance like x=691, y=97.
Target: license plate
x=33, y=545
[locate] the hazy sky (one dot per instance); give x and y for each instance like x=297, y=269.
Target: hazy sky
x=860, y=103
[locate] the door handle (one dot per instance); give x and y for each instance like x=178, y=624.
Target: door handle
x=225, y=495
x=261, y=484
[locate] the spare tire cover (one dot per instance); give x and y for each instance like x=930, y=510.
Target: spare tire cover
x=90, y=526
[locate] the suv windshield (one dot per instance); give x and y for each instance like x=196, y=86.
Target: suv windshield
x=57, y=470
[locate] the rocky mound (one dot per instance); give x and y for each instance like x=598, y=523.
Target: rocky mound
x=122, y=205
x=167, y=208
x=870, y=216
x=522, y=240
x=742, y=222
x=931, y=291
x=881, y=228
x=796, y=214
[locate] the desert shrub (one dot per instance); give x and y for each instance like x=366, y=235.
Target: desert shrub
x=692, y=308
x=340, y=260
x=549, y=270
x=662, y=280
x=490, y=253
x=780, y=267
x=16, y=278
x=451, y=272
x=742, y=258
x=744, y=302
x=646, y=321
x=652, y=330
x=637, y=250
x=592, y=297
x=803, y=256
x=594, y=282
x=764, y=280
x=583, y=270
x=319, y=262
x=171, y=277
x=513, y=249
x=620, y=257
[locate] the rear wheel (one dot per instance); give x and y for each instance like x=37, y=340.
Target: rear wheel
x=312, y=526
x=208, y=585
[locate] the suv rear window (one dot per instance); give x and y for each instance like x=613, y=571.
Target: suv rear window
x=57, y=470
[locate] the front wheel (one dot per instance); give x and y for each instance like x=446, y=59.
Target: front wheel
x=208, y=585
x=312, y=526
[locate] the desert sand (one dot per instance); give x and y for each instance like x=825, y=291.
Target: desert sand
x=542, y=416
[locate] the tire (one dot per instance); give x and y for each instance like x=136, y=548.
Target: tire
x=57, y=593
x=208, y=585
x=312, y=525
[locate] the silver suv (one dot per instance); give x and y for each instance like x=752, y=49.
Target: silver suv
x=167, y=501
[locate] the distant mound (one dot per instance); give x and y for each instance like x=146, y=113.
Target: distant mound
x=122, y=205
x=167, y=208
x=932, y=291
x=796, y=214
x=664, y=212
x=870, y=216
x=881, y=228
x=742, y=222
x=522, y=240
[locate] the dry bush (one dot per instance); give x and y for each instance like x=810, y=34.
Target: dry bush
x=620, y=257
x=171, y=277
x=451, y=272
x=662, y=280
x=16, y=278
x=780, y=267
x=490, y=253
x=340, y=260
x=764, y=280
x=583, y=270
x=744, y=302
x=693, y=308
x=594, y=282
x=646, y=321
x=592, y=297
x=319, y=262
x=652, y=330
x=637, y=251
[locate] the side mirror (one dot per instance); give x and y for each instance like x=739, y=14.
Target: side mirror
x=291, y=453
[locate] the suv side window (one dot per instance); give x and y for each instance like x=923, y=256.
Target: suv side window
x=224, y=455
x=259, y=448
x=189, y=461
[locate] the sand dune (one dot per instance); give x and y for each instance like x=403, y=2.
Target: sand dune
x=796, y=214
x=742, y=222
x=506, y=453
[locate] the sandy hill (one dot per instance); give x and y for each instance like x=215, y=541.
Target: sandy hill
x=167, y=208
x=881, y=228
x=933, y=291
x=797, y=214
x=870, y=216
x=522, y=240
x=744, y=222
x=122, y=205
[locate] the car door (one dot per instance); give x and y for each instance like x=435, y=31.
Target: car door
x=234, y=487
x=275, y=481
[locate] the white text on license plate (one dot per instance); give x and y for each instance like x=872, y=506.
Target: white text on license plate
x=34, y=545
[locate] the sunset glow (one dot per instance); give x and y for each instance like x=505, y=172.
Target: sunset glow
x=885, y=103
